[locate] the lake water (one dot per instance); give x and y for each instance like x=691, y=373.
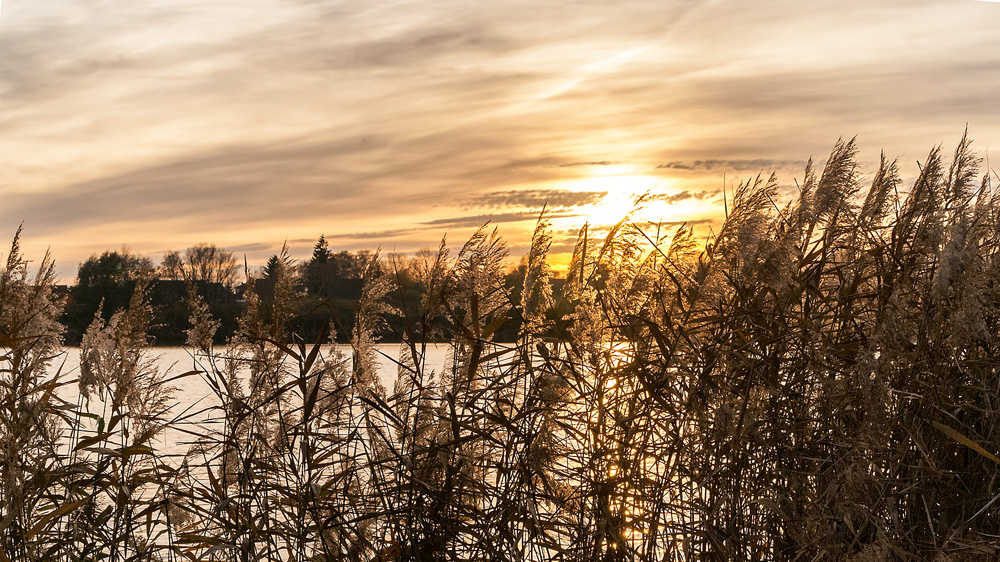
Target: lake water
x=194, y=394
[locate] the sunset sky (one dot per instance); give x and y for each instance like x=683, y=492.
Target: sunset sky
x=164, y=123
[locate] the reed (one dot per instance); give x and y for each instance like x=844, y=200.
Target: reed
x=818, y=382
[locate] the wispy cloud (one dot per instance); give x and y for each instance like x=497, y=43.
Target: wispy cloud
x=534, y=199
x=595, y=163
x=380, y=235
x=686, y=195
x=732, y=165
x=477, y=220
x=255, y=247
x=252, y=121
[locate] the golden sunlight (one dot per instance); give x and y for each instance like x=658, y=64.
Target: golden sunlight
x=623, y=186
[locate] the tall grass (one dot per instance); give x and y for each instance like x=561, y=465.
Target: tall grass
x=818, y=382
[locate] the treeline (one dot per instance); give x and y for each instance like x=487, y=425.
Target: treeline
x=326, y=290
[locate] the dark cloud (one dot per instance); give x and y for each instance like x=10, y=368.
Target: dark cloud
x=598, y=163
x=375, y=235
x=685, y=195
x=254, y=247
x=676, y=166
x=478, y=220
x=534, y=199
x=734, y=165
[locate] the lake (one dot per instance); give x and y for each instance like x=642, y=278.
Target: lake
x=194, y=394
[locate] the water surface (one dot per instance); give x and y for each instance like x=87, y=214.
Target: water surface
x=195, y=398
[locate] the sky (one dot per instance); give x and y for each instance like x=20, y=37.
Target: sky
x=160, y=124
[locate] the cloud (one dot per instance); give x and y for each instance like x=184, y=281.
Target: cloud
x=254, y=247
x=733, y=165
x=597, y=163
x=421, y=46
x=233, y=186
x=534, y=199
x=375, y=235
x=478, y=220
x=174, y=121
x=685, y=195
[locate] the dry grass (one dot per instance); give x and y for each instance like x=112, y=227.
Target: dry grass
x=820, y=382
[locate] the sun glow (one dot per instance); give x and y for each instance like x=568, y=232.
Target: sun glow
x=623, y=188
x=613, y=190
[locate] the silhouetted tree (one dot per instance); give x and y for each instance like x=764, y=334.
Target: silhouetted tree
x=109, y=279
x=321, y=251
x=279, y=269
x=316, y=270
x=274, y=264
x=113, y=267
x=206, y=262
x=172, y=266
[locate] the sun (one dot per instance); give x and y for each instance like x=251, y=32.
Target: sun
x=622, y=188
x=612, y=208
